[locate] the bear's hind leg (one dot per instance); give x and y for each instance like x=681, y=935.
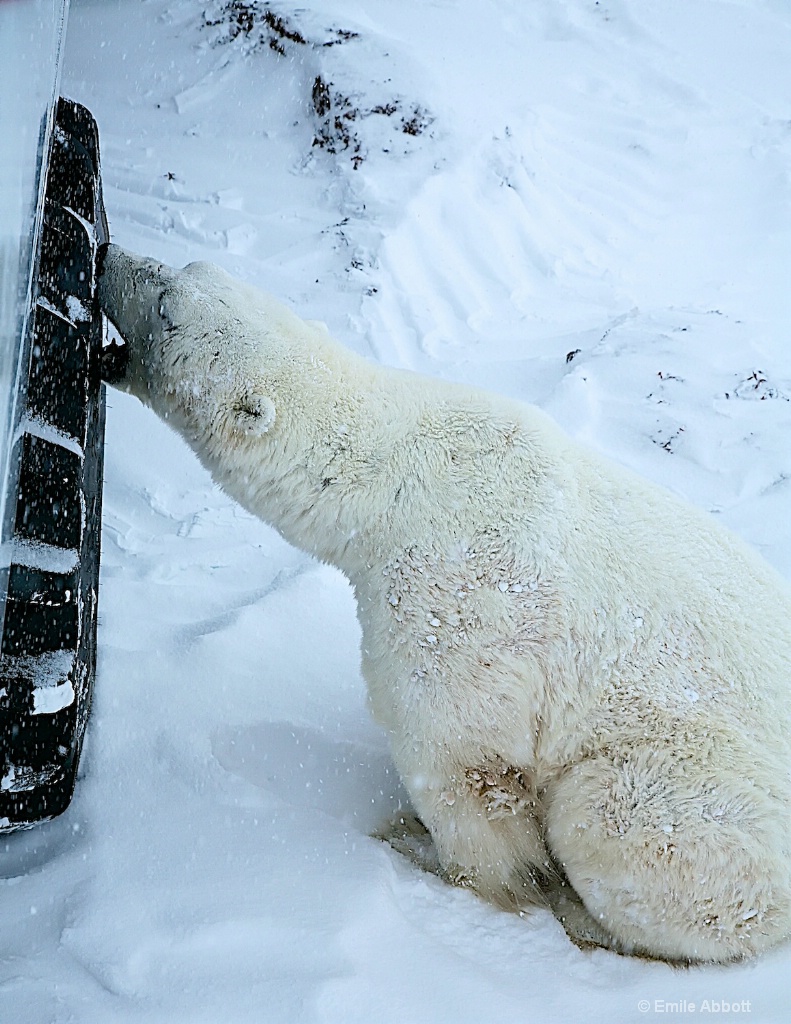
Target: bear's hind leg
x=675, y=862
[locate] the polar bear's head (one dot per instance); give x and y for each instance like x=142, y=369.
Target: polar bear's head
x=193, y=344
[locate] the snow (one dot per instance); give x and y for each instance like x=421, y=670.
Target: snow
x=594, y=216
x=38, y=428
x=78, y=312
x=37, y=555
x=53, y=689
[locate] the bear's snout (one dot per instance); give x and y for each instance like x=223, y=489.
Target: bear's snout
x=130, y=291
x=114, y=360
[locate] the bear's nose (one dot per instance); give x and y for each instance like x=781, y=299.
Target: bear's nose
x=101, y=256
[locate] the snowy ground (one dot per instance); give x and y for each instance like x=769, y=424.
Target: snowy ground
x=520, y=181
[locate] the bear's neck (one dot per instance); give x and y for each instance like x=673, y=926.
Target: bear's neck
x=327, y=474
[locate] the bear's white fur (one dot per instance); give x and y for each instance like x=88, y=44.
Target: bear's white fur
x=583, y=678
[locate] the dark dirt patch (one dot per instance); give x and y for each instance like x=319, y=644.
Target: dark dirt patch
x=338, y=115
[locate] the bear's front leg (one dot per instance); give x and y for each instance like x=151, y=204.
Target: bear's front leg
x=484, y=823
x=408, y=836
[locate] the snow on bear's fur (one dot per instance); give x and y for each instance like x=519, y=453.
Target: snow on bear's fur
x=585, y=681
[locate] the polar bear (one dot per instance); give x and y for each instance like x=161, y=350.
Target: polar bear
x=585, y=681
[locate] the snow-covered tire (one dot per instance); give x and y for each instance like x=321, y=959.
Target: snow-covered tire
x=48, y=652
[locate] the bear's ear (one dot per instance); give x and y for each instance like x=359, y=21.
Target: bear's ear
x=254, y=414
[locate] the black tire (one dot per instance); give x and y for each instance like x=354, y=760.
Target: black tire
x=48, y=649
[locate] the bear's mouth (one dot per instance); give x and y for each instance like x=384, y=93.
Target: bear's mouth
x=114, y=361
